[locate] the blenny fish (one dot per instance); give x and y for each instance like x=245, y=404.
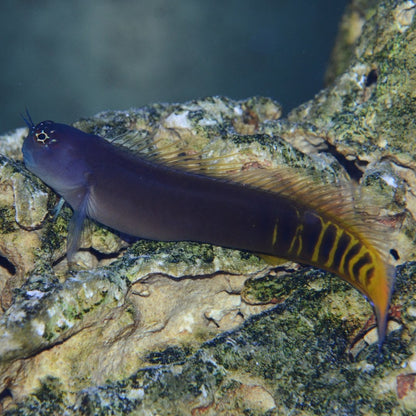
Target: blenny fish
x=272, y=212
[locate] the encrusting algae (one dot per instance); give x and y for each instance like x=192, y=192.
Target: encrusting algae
x=170, y=195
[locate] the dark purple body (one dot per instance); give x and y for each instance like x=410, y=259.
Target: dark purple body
x=146, y=199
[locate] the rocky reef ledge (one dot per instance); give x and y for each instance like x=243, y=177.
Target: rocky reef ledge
x=146, y=327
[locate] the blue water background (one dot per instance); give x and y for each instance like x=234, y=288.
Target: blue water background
x=70, y=59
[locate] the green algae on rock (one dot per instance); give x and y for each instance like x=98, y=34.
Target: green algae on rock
x=167, y=293
x=178, y=259
x=367, y=114
x=23, y=208
x=267, y=357
x=45, y=313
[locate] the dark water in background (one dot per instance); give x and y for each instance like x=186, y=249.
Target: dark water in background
x=70, y=59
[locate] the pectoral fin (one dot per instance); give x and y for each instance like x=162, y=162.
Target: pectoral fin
x=75, y=228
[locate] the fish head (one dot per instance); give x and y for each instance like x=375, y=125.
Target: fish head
x=54, y=153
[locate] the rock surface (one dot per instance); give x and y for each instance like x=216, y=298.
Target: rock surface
x=185, y=328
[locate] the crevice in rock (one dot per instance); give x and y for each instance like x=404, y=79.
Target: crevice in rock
x=349, y=165
x=394, y=253
x=371, y=78
x=105, y=256
x=6, y=393
x=8, y=265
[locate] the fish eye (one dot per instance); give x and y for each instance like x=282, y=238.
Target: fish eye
x=43, y=134
x=41, y=137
